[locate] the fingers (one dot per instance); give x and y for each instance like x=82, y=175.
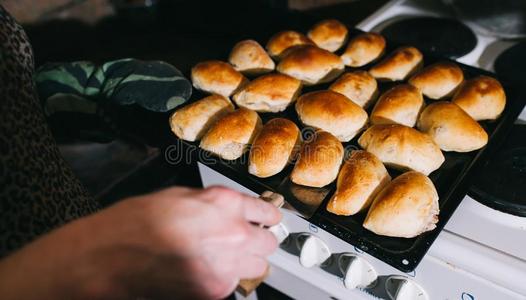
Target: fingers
x=252, y=209
x=242, y=266
x=261, y=242
x=251, y=267
x=260, y=212
x=245, y=267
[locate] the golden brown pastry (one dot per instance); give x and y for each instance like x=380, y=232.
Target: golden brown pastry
x=231, y=135
x=328, y=34
x=483, y=98
x=193, y=120
x=359, y=86
x=332, y=112
x=451, y=128
x=217, y=77
x=363, y=49
x=311, y=65
x=319, y=160
x=438, y=80
x=402, y=148
x=248, y=57
x=399, y=105
x=274, y=147
x=407, y=207
x=283, y=40
x=362, y=176
x=398, y=65
x=269, y=93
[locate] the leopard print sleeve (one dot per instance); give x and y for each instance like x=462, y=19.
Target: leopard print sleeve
x=38, y=190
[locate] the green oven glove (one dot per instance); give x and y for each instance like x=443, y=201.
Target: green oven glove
x=93, y=101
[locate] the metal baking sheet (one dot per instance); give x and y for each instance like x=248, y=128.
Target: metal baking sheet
x=452, y=180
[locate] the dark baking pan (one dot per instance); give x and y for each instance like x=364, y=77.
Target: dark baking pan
x=452, y=180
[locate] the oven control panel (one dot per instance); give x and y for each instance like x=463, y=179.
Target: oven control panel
x=353, y=271
x=313, y=264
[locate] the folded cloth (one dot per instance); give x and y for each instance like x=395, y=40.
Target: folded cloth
x=154, y=85
x=95, y=102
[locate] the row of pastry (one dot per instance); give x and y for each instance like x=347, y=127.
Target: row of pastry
x=410, y=200
x=363, y=183
x=340, y=110
x=308, y=58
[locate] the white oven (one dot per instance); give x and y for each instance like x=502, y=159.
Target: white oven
x=481, y=253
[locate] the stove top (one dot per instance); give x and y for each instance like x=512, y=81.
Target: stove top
x=477, y=218
x=442, y=36
x=502, y=183
x=511, y=64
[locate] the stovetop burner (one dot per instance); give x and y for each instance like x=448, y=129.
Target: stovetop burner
x=502, y=183
x=511, y=64
x=443, y=36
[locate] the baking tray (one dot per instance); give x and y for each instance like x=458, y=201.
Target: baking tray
x=452, y=180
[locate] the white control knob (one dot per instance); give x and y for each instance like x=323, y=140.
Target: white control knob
x=403, y=288
x=357, y=272
x=313, y=251
x=280, y=232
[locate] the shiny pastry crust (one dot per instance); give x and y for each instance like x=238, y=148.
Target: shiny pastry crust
x=402, y=148
x=193, y=120
x=359, y=86
x=217, y=77
x=328, y=34
x=483, y=98
x=451, y=128
x=319, y=160
x=398, y=65
x=406, y=207
x=332, y=112
x=362, y=176
x=363, y=49
x=274, y=147
x=438, y=80
x=400, y=105
x=231, y=135
x=269, y=93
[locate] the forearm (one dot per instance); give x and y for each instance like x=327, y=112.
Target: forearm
x=55, y=267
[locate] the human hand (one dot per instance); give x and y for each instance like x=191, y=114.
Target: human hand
x=176, y=243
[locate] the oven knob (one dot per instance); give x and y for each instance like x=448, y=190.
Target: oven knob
x=313, y=250
x=357, y=272
x=280, y=232
x=403, y=288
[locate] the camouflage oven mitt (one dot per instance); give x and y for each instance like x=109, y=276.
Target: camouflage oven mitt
x=88, y=100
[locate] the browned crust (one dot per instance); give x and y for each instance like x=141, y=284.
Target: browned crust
x=438, y=80
x=283, y=40
x=311, y=65
x=319, y=160
x=193, y=120
x=451, y=128
x=364, y=49
x=359, y=86
x=398, y=65
x=406, y=207
x=483, y=98
x=249, y=57
x=332, y=112
x=217, y=77
x=362, y=176
x=237, y=128
x=271, y=88
x=402, y=147
x=399, y=105
x=328, y=34
x=273, y=147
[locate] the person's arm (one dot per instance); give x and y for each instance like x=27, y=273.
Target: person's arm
x=176, y=243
